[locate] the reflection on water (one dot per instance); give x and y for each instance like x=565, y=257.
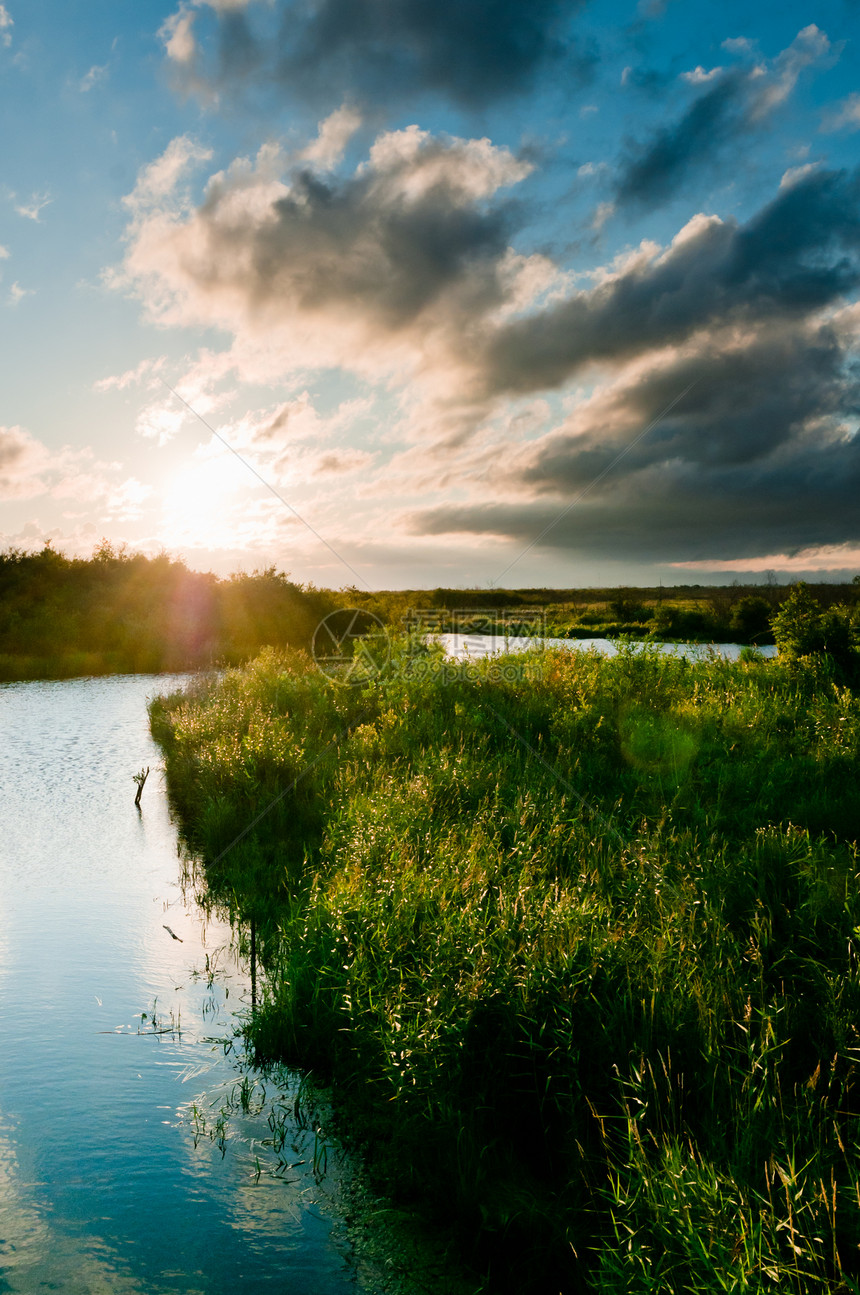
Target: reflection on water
x=110, y=1031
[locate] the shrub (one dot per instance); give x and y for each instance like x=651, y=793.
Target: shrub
x=802, y=628
x=751, y=617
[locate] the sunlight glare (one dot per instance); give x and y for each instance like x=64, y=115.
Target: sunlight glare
x=199, y=504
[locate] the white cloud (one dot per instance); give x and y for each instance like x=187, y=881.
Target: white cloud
x=796, y=173
x=413, y=162
x=699, y=76
x=30, y=470
x=738, y=45
x=6, y=23
x=125, y=501
x=143, y=372
x=32, y=210
x=335, y=132
x=603, y=212
x=93, y=77
x=4, y=253
x=157, y=183
x=162, y=420
x=17, y=294
x=809, y=46
x=177, y=33
x=845, y=116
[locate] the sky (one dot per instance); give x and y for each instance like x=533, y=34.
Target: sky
x=472, y=293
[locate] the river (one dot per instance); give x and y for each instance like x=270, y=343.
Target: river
x=477, y=646
x=118, y=1169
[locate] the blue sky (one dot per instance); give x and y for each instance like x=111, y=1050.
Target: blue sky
x=471, y=292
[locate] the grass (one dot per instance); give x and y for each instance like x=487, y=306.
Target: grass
x=577, y=944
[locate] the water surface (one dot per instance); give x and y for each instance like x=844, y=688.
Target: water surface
x=477, y=646
x=108, y=1182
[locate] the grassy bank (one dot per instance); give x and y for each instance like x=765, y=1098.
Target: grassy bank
x=576, y=940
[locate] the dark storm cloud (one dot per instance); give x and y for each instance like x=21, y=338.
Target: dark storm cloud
x=240, y=54
x=676, y=513
x=650, y=81
x=354, y=245
x=756, y=458
x=760, y=455
x=382, y=51
x=653, y=171
x=736, y=102
x=794, y=257
x=742, y=405
x=404, y=257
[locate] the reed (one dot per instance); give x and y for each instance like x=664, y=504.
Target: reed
x=577, y=947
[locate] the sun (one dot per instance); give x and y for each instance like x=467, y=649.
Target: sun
x=201, y=503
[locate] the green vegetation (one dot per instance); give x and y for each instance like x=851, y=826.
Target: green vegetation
x=121, y=612
x=125, y=613
x=687, y=613
x=576, y=939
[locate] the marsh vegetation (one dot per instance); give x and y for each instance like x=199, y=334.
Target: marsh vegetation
x=120, y=612
x=578, y=948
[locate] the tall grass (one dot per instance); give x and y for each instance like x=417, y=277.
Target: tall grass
x=578, y=947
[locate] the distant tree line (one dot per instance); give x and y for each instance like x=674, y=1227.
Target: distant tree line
x=124, y=612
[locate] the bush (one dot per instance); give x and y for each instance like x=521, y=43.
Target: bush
x=751, y=617
x=802, y=628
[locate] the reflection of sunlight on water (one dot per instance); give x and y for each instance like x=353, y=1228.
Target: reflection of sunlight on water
x=23, y=1233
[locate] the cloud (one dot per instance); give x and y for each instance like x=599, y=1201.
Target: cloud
x=695, y=489
x=93, y=77
x=845, y=116
x=737, y=102
x=645, y=79
x=327, y=150
x=177, y=34
x=4, y=253
x=125, y=501
x=159, y=181
x=6, y=23
x=29, y=469
x=824, y=557
x=380, y=270
x=21, y=460
x=699, y=76
x=729, y=425
x=382, y=51
x=794, y=257
x=145, y=372
x=33, y=209
x=17, y=294
x=795, y=173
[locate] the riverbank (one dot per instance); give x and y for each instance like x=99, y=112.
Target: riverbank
x=576, y=944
